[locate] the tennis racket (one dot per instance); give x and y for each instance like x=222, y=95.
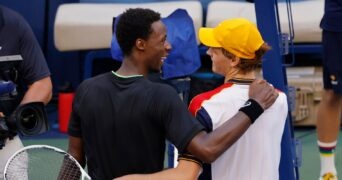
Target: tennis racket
x=43, y=162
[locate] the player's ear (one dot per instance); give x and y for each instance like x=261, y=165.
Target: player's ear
x=234, y=61
x=140, y=44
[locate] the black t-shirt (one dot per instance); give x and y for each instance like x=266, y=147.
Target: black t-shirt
x=124, y=123
x=17, y=38
x=332, y=19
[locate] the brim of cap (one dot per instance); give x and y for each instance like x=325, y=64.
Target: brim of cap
x=206, y=36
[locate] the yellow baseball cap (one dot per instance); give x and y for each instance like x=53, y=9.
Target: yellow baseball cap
x=239, y=36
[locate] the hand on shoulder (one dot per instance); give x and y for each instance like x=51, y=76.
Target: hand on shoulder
x=263, y=92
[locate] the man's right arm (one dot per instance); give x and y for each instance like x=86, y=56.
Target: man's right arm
x=69, y=170
x=75, y=149
x=209, y=146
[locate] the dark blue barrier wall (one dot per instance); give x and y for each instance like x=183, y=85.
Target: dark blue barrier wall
x=34, y=12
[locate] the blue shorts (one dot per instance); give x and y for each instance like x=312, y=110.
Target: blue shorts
x=332, y=61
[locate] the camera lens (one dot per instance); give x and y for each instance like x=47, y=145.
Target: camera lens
x=28, y=119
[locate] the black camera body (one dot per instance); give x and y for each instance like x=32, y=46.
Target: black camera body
x=28, y=119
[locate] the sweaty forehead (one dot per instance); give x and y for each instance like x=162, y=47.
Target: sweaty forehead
x=158, y=28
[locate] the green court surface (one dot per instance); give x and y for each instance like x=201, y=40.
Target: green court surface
x=310, y=157
x=61, y=143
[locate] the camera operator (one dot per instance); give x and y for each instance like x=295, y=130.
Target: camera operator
x=30, y=75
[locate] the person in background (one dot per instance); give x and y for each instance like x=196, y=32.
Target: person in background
x=329, y=110
x=18, y=41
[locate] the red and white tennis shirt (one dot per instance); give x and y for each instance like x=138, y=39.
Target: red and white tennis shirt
x=256, y=155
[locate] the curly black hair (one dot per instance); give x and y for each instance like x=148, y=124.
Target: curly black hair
x=133, y=24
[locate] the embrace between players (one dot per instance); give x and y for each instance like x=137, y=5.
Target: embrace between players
x=120, y=119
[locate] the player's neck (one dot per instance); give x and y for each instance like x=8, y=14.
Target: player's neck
x=129, y=68
x=249, y=75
